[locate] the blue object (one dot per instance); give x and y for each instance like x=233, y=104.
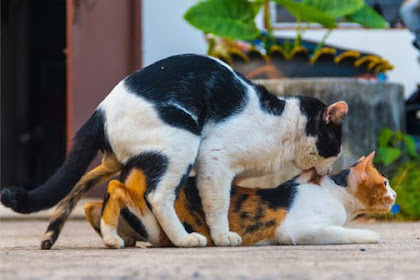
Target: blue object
x=382, y=77
x=395, y=209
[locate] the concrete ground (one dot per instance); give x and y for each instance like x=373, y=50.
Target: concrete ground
x=79, y=254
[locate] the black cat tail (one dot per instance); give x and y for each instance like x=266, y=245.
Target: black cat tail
x=88, y=140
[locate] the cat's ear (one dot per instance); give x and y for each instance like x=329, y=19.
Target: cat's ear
x=360, y=159
x=336, y=112
x=370, y=158
x=359, y=169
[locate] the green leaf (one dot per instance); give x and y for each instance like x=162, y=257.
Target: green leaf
x=336, y=8
x=367, y=17
x=307, y=13
x=410, y=145
x=388, y=155
x=385, y=137
x=232, y=19
x=256, y=6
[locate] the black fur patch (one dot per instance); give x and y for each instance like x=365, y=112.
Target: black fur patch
x=341, y=178
x=280, y=197
x=270, y=223
x=183, y=180
x=259, y=214
x=55, y=227
x=254, y=227
x=259, y=226
x=179, y=118
x=204, y=88
x=270, y=103
x=192, y=196
x=193, y=200
x=134, y=222
x=153, y=165
x=106, y=199
x=240, y=201
x=328, y=135
x=98, y=230
x=244, y=215
x=188, y=227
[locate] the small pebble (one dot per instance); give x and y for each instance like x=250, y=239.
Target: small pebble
x=362, y=248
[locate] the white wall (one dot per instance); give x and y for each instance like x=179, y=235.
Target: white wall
x=166, y=33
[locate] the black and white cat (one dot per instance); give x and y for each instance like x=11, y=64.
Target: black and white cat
x=194, y=111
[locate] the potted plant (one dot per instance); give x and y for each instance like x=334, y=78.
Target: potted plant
x=232, y=35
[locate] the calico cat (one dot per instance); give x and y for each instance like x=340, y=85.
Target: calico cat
x=191, y=111
x=309, y=209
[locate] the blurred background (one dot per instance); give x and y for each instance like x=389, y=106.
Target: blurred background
x=60, y=58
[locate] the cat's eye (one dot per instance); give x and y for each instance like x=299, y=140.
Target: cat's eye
x=385, y=183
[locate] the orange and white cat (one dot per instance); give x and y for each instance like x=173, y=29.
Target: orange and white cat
x=308, y=209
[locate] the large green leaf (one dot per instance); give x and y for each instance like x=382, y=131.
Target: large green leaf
x=307, y=13
x=385, y=137
x=233, y=19
x=367, y=17
x=336, y=8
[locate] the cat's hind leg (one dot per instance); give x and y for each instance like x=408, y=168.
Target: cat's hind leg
x=113, y=203
x=93, y=211
x=336, y=235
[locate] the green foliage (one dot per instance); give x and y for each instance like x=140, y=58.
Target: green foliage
x=406, y=182
x=336, y=8
x=397, y=152
x=394, y=146
x=367, y=17
x=232, y=19
x=306, y=13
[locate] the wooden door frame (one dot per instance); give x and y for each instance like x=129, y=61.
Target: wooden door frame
x=135, y=53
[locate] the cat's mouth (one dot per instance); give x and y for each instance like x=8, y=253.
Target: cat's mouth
x=386, y=205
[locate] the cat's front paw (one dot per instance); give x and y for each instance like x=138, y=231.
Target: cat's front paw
x=113, y=242
x=227, y=239
x=192, y=240
x=371, y=237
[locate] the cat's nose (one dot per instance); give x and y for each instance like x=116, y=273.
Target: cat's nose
x=393, y=194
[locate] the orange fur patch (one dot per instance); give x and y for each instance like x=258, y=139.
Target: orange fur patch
x=93, y=214
x=371, y=192
x=129, y=194
x=249, y=216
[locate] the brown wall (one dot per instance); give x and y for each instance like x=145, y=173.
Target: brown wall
x=103, y=46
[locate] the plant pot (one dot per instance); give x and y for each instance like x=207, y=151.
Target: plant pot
x=306, y=61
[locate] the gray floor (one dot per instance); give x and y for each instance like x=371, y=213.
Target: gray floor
x=79, y=254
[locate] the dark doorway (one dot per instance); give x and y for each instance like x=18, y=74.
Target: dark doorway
x=33, y=89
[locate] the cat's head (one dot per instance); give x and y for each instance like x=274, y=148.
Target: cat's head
x=372, y=189
x=321, y=146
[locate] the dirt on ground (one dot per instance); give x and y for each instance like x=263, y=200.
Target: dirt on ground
x=80, y=254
